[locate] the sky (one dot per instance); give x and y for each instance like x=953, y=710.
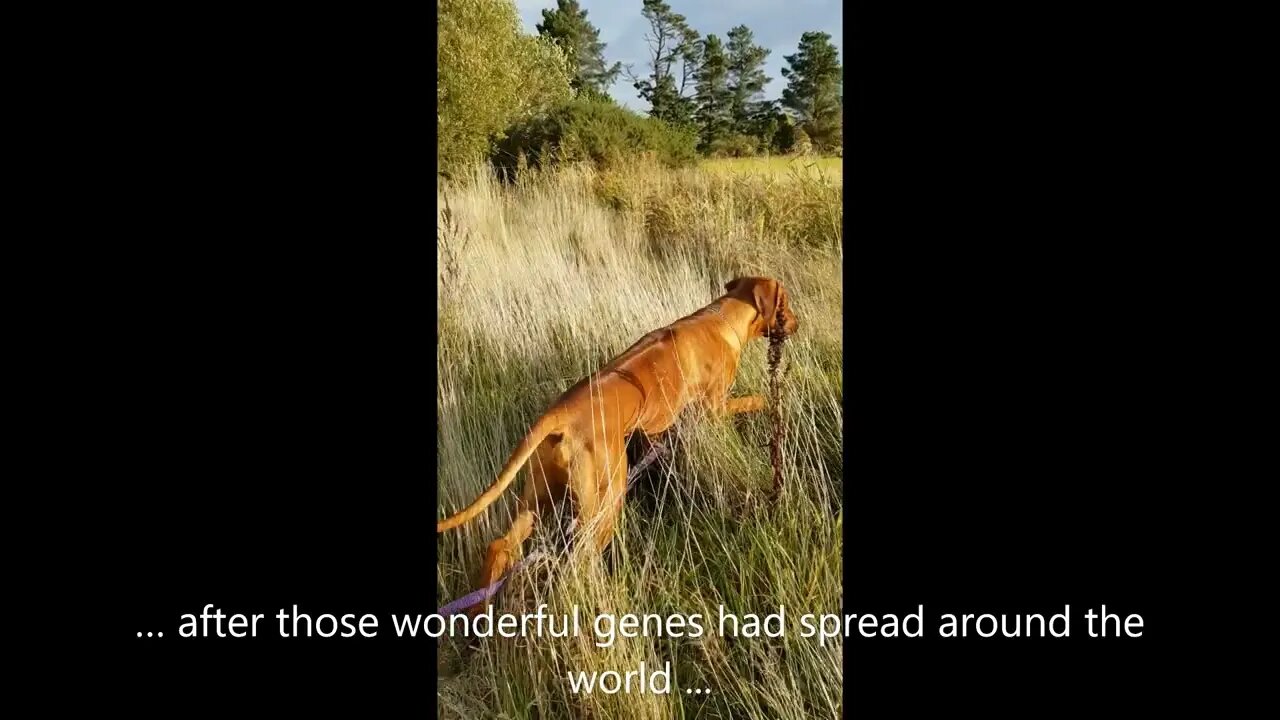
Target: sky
x=776, y=24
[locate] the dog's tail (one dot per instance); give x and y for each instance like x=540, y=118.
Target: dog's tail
x=546, y=425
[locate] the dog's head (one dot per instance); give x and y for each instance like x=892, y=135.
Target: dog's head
x=770, y=301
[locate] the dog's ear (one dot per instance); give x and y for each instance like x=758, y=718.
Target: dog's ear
x=774, y=305
x=765, y=294
x=733, y=284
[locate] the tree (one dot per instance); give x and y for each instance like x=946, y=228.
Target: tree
x=815, y=89
x=714, y=112
x=746, y=79
x=765, y=123
x=800, y=144
x=670, y=41
x=568, y=27
x=489, y=75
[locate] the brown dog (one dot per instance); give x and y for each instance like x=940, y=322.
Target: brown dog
x=580, y=441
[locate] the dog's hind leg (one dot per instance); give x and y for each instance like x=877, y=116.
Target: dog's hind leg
x=499, y=556
x=614, y=483
x=545, y=483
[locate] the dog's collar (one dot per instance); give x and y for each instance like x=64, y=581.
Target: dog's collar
x=742, y=342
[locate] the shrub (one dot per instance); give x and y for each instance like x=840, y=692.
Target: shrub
x=588, y=129
x=489, y=75
x=734, y=146
x=802, y=145
x=784, y=136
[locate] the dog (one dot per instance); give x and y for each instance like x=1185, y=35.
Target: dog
x=578, y=445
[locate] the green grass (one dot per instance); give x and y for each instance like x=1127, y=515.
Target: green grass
x=542, y=282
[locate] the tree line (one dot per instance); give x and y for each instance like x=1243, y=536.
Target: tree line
x=494, y=82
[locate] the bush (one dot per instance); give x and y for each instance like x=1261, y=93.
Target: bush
x=489, y=75
x=802, y=144
x=784, y=137
x=734, y=146
x=587, y=129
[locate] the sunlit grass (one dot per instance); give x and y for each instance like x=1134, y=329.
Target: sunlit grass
x=542, y=282
x=778, y=165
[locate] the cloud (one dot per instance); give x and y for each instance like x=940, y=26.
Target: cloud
x=776, y=24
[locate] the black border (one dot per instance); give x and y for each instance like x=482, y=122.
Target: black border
x=266, y=406
x=1019, y=192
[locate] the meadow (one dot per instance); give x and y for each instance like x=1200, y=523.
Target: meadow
x=542, y=281
x=777, y=166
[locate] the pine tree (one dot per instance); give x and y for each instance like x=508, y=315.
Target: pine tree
x=746, y=79
x=815, y=89
x=568, y=27
x=715, y=119
x=766, y=122
x=674, y=56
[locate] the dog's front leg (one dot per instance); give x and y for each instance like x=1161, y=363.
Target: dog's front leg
x=747, y=403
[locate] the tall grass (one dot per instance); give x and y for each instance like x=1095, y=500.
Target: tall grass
x=543, y=281
x=780, y=165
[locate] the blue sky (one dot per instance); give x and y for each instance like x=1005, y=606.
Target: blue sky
x=777, y=25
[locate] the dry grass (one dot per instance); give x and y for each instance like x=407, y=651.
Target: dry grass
x=542, y=282
x=779, y=166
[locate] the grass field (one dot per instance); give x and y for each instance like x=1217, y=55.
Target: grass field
x=778, y=166
x=542, y=282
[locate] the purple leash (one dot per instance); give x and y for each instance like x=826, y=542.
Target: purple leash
x=489, y=591
x=485, y=593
